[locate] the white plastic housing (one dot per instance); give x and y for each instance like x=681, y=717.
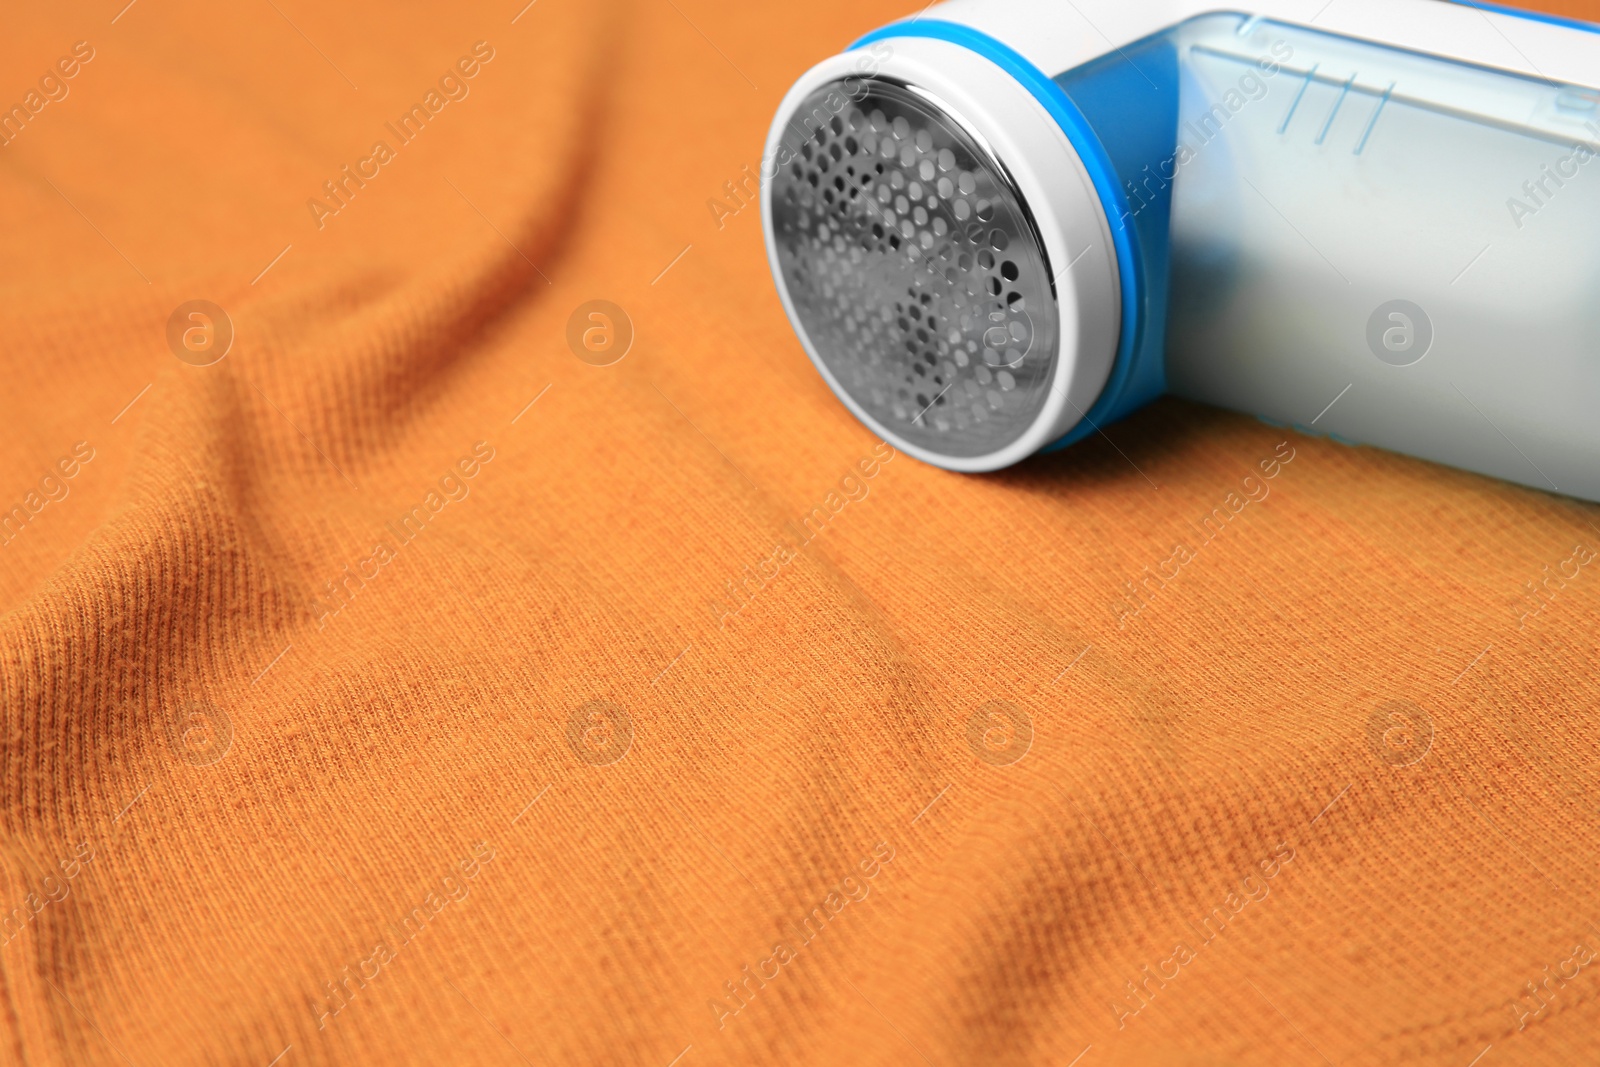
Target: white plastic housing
x=1056, y=36
x=1285, y=238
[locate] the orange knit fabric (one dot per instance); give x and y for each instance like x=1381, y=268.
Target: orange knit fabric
x=402, y=688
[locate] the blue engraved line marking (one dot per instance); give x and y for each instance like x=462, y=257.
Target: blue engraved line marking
x=1373, y=121
x=1310, y=77
x=1337, y=104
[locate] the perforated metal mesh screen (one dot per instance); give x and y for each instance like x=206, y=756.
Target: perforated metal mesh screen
x=914, y=268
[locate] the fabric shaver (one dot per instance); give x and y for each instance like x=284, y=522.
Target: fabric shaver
x=998, y=226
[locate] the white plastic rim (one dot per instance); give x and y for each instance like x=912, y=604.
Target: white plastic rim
x=1055, y=188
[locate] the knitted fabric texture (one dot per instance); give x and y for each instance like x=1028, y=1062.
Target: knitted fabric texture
x=444, y=617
